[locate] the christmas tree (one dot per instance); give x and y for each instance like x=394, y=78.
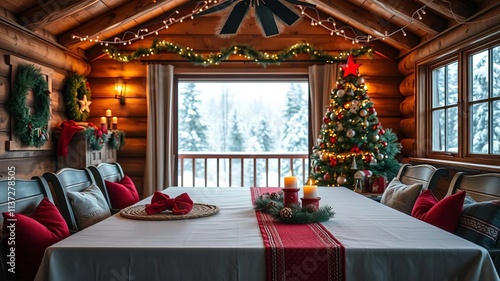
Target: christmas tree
x=351, y=138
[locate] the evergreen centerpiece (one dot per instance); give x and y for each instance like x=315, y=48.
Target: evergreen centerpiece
x=351, y=136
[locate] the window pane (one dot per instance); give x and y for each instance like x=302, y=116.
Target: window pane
x=479, y=128
x=452, y=130
x=479, y=76
x=496, y=127
x=438, y=87
x=496, y=72
x=452, y=83
x=438, y=130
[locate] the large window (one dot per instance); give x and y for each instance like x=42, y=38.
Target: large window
x=464, y=105
x=236, y=119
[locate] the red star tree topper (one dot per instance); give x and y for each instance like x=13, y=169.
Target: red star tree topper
x=351, y=67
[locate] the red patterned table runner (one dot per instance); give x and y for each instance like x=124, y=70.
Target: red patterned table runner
x=299, y=251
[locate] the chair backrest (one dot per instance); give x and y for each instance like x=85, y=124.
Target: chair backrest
x=69, y=179
x=22, y=197
x=482, y=187
x=106, y=171
x=425, y=174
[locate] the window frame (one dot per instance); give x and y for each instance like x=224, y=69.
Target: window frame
x=423, y=107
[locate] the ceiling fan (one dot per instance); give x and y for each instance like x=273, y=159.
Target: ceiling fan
x=268, y=13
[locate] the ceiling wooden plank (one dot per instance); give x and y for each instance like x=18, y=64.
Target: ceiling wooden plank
x=118, y=20
x=363, y=20
x=41, y=15
x=431, y=22
x=460, y=9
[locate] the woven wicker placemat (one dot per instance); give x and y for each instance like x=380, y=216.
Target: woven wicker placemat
x=138, y=213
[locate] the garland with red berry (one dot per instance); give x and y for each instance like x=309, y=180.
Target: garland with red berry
x=95, y=137
x=272, y=204
x=117, y=139
x=30, y=129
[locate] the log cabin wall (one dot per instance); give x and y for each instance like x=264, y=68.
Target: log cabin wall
x=17, y=44
x=381, y=75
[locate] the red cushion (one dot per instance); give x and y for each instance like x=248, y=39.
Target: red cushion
x=444, y=214
x=28, y=237
x=122, y=193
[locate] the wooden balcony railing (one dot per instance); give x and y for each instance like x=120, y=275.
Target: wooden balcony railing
x=240, y=168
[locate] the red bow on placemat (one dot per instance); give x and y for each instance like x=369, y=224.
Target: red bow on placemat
x=179, y=205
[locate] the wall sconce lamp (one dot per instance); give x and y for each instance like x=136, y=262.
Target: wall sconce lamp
x=120, y=90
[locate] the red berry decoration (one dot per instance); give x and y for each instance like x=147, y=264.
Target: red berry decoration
x=355, y=149
x=339, y=116
x=333, y=162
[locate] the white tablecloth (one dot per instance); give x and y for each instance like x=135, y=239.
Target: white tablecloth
x=381, y=244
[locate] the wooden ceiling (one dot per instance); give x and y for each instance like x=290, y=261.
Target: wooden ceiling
x=60, y=20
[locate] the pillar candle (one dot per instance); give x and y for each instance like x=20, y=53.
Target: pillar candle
x=114, y=121
x=290, y=182
x=310, y=191
x=108, y=113
x=103, y=120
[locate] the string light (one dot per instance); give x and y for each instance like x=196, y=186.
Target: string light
x=329, y=24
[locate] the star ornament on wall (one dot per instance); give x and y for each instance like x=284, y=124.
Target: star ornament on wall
x=351, y=67
x=84, y=104
x=268, y=13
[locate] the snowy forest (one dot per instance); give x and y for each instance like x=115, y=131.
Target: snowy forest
x=243, y=117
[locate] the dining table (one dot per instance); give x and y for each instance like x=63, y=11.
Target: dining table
x=380, y=243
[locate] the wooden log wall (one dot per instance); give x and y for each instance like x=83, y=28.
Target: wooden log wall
x=432, y=49
x=383, y=88
x=28, y=163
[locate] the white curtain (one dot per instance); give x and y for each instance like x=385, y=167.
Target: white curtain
x=322, y=80
x=160, y=153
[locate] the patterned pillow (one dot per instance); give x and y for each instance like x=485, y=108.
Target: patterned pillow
x=480, y=223
x=400, y=196
x=89, y=206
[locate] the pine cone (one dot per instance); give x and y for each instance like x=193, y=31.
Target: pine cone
x=286, y=213
x=274, y=196
x=272, y=205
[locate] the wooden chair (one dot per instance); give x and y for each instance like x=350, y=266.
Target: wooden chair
x=481, y=187
x=425, y=174
x=28, y=194
x=107, y=171
x=69, y=179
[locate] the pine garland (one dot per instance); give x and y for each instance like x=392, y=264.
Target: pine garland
x=272, y=204
x=75, y=87
x=246, y=51
x=95, y=137
x=30, y=129
x=117, y=139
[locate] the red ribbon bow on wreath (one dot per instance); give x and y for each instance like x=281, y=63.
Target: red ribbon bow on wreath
x=179, y=205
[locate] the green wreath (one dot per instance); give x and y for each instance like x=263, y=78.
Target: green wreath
x=30, y=129
x=75, y=88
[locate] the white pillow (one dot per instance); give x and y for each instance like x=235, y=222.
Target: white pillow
x=400, y=196
x=89, y=206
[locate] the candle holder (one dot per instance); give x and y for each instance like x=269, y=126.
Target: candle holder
x=314, y=202
x=109, y=122
x=290, y=196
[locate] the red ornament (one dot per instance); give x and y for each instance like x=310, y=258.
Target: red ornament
x=351, y=67
x=339, y=116
x=381, y=132
x=97, y=133
x=371, y=110
x=326, y=177
x=368, y=158
x=384, y=143
x=30, y=126
x=326, y=120
x=316, y=168
x=355, y=149
x=333, y=161
x=333, y=140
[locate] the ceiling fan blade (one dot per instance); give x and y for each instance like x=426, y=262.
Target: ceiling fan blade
x=266, y=19
x=235, y=18
x=282, y=11
x=216, y=8
x=301, y=3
